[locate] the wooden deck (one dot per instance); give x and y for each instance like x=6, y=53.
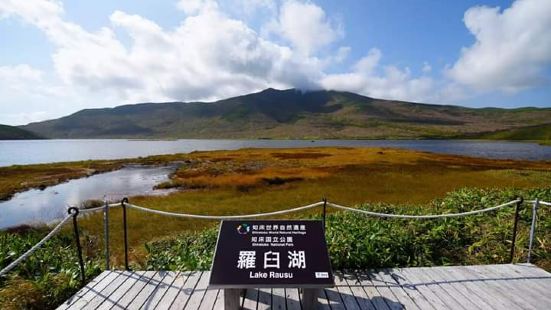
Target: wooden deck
x=519, y=286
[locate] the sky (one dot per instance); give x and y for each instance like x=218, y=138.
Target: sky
x=58, y=57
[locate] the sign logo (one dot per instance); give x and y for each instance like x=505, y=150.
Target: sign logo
x=243, y=229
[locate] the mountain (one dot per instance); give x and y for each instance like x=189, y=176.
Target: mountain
x=288, y=114
x=535, y=133
x=14, y=133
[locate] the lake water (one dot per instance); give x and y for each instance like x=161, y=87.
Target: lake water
x=45, y=151
x=43, y=206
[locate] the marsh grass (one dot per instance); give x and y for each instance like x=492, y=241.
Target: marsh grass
x=357, y=241
x=354, y=241
x=262, y=180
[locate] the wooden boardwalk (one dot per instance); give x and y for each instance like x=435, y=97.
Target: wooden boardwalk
x=519, y=286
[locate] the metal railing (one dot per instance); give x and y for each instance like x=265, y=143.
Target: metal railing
x=74, y=212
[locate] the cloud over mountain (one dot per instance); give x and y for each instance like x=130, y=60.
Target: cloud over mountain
x=211, y=55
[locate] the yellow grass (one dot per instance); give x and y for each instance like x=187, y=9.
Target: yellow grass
x=259, y=180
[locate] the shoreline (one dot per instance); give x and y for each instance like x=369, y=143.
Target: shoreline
x=50, y=174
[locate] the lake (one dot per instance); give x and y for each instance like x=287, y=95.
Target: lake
x=43, y=206
x=22, y=152
x=36, y=206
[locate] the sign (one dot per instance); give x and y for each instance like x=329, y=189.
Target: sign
x=271, y=253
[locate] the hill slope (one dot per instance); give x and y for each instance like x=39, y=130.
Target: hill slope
x=14, y=133
x=534, y=133
x=287, y=114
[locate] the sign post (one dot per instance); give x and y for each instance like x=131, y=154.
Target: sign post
x=271, y=254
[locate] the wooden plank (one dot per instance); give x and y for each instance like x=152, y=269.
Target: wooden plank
x=447, y=296
x=128, y=297
x=219, y=302
x=411, y=292
x=355, y=287
x=209, y=299
x=264, y=299
x=423, y=287
x=251, y=299
x=402, y=297
x=95, y=291
x=523, y=299
x=344, y=290
x=334, y=299
x=444, y=283
x=107, y=292
x=278, y=298
x=292, y=298
x=386, y=293
x=199, y=292
x=527, y=284
x=445, y=274
x=323, y=301
x=185, y=292
x=371, y=291
x=492, y=287
x=539, y=279
x=161, y=289
x=478, y=287
x=500, y=285
x=173, y=290
x=144, y=298
x=131, y=278
x=505, y=286
x=83, y=291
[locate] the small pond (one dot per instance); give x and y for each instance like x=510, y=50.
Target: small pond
x=43, y=206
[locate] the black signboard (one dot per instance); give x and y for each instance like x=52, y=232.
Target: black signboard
x=271, y=254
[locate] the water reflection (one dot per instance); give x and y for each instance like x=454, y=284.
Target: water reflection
x=45, y=151
x=36, y=206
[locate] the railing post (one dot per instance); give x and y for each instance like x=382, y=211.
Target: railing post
x=74, y=212
x=515, y=225
x=106, y=234
x=324, y=211
x=123, y=201
x=535, y=207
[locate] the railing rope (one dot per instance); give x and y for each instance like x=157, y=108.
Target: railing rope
x=421, y=217
x=74, y=212
x=223, y=217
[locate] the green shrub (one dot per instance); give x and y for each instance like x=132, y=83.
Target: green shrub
x=49, y=276
x=358, y=241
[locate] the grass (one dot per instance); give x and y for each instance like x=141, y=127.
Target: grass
x=259, y=180
x=18, y=178
x=354, y=241
x=537, y=133
x=357, y=241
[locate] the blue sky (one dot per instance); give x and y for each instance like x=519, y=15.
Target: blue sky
x=59, y=57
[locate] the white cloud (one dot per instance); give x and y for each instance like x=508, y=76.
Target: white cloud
x=211, y=55
x=392, y=83
x=511, y=49
x=192, y=7
x=208, y=56
x=426, y=67
x=305, y=26
x=17, y=77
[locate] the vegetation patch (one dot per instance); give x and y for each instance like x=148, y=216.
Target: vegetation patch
x=254, y=181
x=51, y=275
x=313, y=155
